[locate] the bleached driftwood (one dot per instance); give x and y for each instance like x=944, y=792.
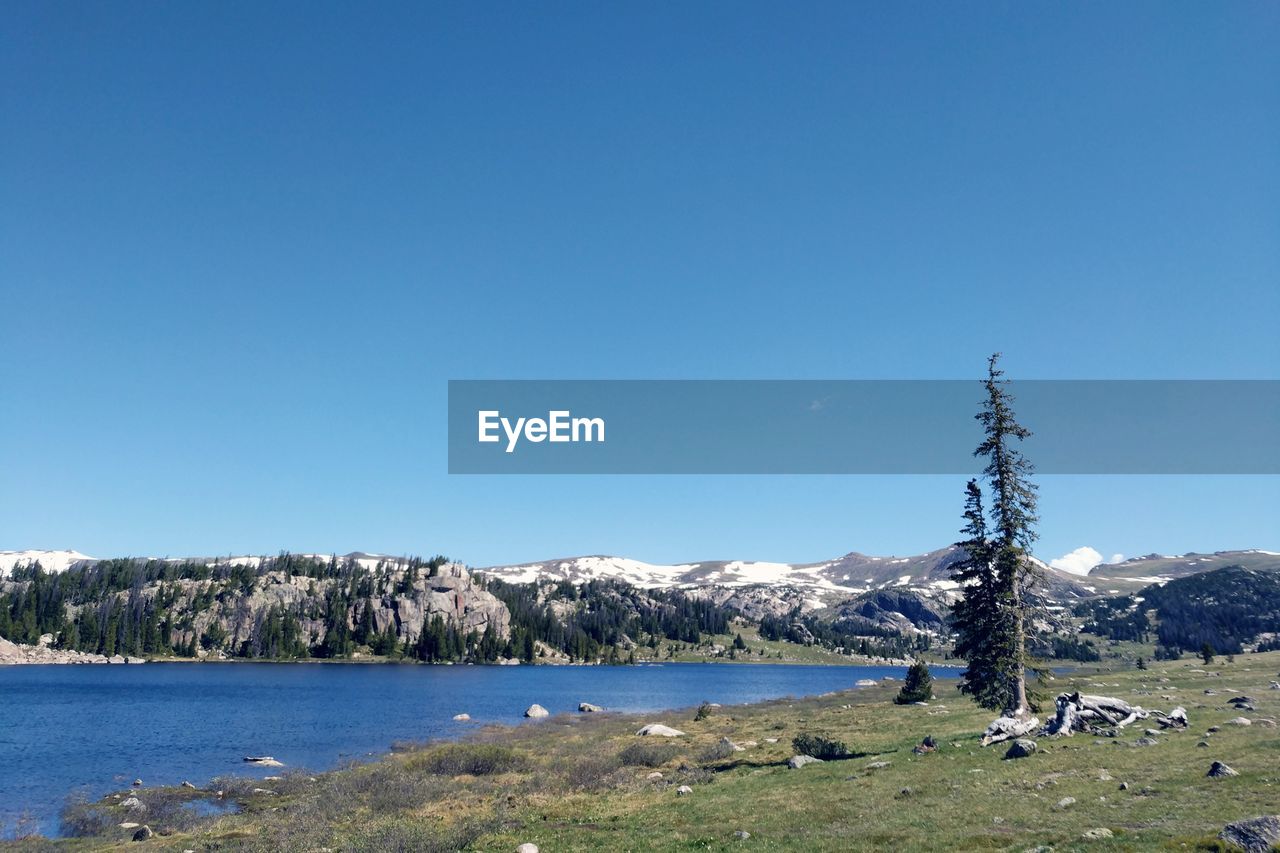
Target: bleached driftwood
x=1007, y=728
x=1080, y=712
x=1175, y=719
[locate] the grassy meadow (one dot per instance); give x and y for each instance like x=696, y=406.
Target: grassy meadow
x=583, y=781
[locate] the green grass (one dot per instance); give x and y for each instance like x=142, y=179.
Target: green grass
x=579, y=782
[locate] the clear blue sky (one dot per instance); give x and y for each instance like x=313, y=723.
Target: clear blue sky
x=244, y=245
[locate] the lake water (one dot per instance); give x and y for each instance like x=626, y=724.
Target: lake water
x=94, y=729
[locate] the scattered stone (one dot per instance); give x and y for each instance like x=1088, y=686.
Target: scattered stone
x=1124, y=786
x=135, y=804
x=683, y=790
x=1240, y=721
x=128, y=824
x=1202, y=744
x=1241, y=700
x=1257, y=835
x=865, y=682
x=1066, y=802
x=1218, y=770
x=1152, y=733
x=143, y=833
x=1096, y=834
x=262, y=761
x=742, y=835
x=1104, y=776
x=771, y=740
x=658, y=730
x=186, y=784
x=588, y=708
x=527, y=847
x=536, y=710
x=1021, y=748
x=1145, y=741
x=905, y=792
x=1265, y=723
x=461, y=718
x=1209, y=692
x=1275, y=685
x=877, y=765
x=795, y=762
x=137, y=783
x=654, y=776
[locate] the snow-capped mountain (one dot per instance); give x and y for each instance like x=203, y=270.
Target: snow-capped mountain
x=831, y=580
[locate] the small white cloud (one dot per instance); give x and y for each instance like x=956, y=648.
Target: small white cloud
x=1078, y=562
x=1116, y=558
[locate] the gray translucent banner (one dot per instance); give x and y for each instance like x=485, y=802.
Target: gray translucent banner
x=856, y=426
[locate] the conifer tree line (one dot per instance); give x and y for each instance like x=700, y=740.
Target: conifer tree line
x=149, y=607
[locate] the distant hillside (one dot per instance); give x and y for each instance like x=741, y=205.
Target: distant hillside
x=1155, y=568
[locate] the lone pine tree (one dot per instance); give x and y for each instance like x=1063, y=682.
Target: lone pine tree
x=997, y=574
x=918, y=686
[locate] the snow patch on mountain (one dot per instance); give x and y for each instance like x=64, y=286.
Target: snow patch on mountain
x=50, y=561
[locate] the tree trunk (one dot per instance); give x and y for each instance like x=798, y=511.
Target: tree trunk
x=1019, y=708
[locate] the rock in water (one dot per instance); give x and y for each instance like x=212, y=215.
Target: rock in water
x=1256, y=836
x=659, y=730
x=536, y=710
x=588, y=708
x=461, y=718
x=186, y=784
x=1217, y=770
x=1021, y=748
x=795, y=762
x=262, y=761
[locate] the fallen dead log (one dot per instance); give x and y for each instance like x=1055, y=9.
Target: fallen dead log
x=1007, y=728
x=1100, y=715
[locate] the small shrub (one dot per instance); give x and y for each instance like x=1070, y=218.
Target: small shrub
x=475, y=759
x=704, y=711
x=590, y=773
x=717, y=752
x=820, y=746
x=648, y=754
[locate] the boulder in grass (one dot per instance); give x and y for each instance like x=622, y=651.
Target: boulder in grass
x=683, y=791
x=795, y=762
x=1240, y=721
x=1257, y=835
x=527, y=847
x=1218, y=770
x=1021, y=748
x=1096, y=834
x=535, y=710
x=659, y=730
